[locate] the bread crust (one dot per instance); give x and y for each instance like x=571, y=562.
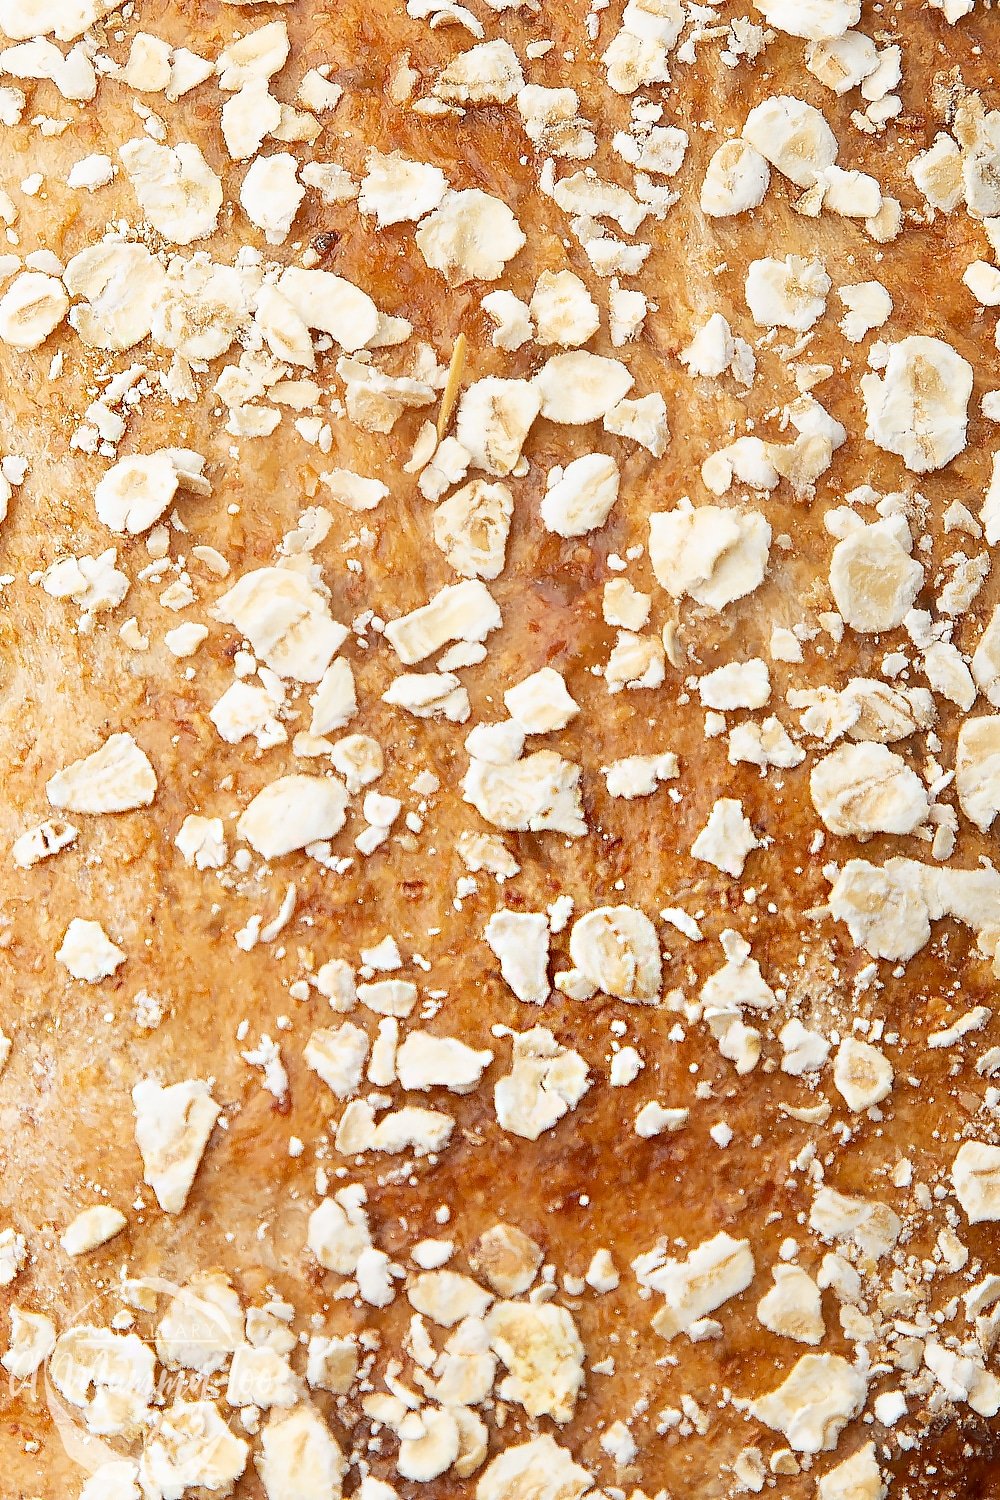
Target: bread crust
x=591, y=1182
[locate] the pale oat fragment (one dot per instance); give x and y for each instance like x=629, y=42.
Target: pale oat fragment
x=88, y=953
x=858, y=1477
x=286, y=617
x=616, y=949
x=470, y=236
x=172, y=1128
x=793, y=1306
x=65, y=19
x=541, y=1349
x=92, y=1228
x=177, y=190
x=814, y=1402
x=867, y=788
x=917, y=407
x=520, y=940
x=293, y=812
x=32, y=307
x=540, y=792
x=710, y=554
x=546, y=1081
x=714, y=1272
x=975, y=1176
x=116, y=778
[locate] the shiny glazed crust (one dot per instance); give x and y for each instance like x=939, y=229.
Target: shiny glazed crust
x=222, y=962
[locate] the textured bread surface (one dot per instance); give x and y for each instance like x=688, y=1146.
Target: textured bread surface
x=215, y=955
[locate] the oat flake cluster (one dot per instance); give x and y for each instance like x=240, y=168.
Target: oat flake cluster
x=501, y=749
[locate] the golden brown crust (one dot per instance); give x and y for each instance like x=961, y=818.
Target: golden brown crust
x=591, y=1182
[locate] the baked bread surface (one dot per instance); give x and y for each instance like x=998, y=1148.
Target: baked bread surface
x=221, y=951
